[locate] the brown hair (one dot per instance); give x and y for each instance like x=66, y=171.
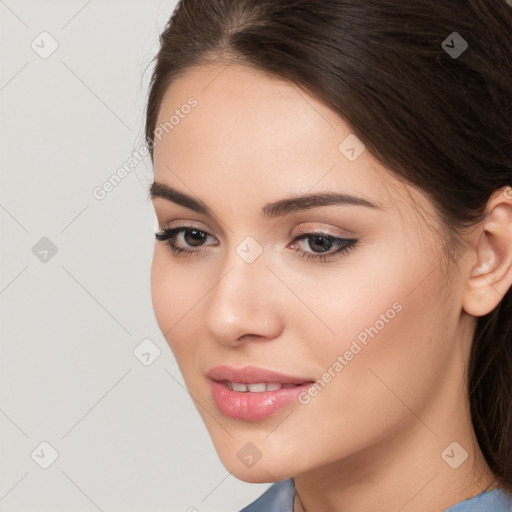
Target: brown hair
x=439, y=121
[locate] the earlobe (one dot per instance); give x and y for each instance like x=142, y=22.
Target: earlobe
x=491, y=275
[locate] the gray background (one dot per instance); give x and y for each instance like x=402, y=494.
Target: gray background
x=127, y=434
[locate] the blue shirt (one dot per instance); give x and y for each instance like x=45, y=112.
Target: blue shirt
x=279, y=498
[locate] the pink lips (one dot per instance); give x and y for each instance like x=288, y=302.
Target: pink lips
x=248, y=405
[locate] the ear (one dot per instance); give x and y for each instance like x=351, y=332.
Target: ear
x=490, y=276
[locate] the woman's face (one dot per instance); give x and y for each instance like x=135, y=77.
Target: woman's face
x=374, y=325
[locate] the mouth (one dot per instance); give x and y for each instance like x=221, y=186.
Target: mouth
x=257, y=387
x=252, y=393
x=254, y=379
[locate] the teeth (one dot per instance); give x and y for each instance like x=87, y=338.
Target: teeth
x=257, y=387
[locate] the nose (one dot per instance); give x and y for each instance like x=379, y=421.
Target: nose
x=243, y=304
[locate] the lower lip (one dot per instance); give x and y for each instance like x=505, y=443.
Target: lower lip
x=249, y=406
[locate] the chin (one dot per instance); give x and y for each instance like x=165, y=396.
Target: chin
x=262, y=471
x=258, y=476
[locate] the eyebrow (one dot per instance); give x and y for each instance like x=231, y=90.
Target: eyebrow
x=270, y=210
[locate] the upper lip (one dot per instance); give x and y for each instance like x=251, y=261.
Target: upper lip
x=252, y=375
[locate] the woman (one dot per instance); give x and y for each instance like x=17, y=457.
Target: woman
x=333, y=266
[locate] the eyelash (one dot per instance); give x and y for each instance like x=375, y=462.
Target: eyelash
x=345, y=244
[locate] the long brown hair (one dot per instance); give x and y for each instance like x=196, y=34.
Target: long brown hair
x=427, y=87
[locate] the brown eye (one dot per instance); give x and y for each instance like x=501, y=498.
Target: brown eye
x=188, y=237
x=196, y=237
x=320, y=243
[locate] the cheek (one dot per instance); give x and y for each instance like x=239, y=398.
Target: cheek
x=390, y=325
x=391, y=346
x=361, y=299
x=161, y=292
x=174, y=295
x=388, y=301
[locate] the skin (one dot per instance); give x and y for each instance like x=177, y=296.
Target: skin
x=372, y=438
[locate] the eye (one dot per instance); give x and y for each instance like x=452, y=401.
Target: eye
x=191, y=235
x=322, y=243
x=319, y=242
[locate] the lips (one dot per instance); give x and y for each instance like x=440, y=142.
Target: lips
x=253, y=394
x=253, y=375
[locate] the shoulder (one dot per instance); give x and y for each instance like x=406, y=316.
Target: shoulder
x=277, y=498
x=496, y=500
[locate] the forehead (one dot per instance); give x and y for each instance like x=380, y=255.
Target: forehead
x=254, y=112
x=259, y=136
